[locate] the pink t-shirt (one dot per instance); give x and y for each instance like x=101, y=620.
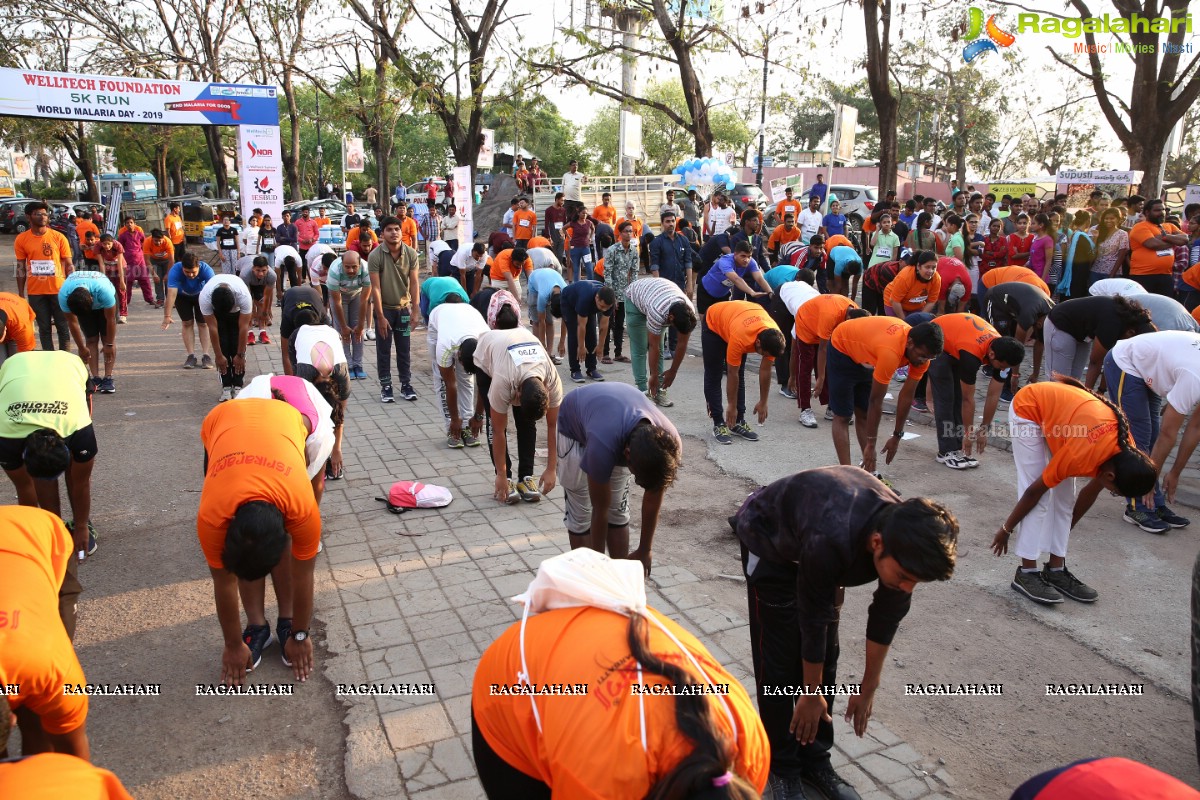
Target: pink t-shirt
x=295, y=394
x=1037, y=254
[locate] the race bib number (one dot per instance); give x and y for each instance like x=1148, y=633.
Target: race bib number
x=268, y=241
x=228, y=243
x=524, y=223
x=883, y=252
x=923, y=298
x=1164, y=253
x=41, y=267
x=558, y=226
x=528, y=353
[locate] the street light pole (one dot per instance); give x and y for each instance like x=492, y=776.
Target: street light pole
x=762, y=118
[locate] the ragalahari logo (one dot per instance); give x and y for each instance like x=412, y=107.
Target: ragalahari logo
x=262, y=184
x=258, y=152
x=977, y=46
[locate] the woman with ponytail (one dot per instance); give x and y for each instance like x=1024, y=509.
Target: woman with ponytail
x=624, y=731
x=1080, y=332
x=1059, y=431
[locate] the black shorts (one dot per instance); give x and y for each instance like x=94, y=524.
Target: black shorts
x=257, y=292
x=81, y=443
x=188, y=306
x=94, y=324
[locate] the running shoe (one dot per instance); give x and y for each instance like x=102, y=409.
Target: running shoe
x=1145, y=520
x=469, y=439
x=807, y=418
x=528, y=489
x=829, y=415
x=235, y=390
x=121, y=320
x=1068, y=584
x=786, y=392
x=106, y=386
x=952, y=460
x=454, y=442
x=370, y=334
x=595, y=375
x=406, y=391
x=662, y=400
x=721, y=434
x=577, y=376
x=331, y=473
x=385, y=394
x=91, y=545
x=264, y=337
x=257, y=637
x=250, y=340
x=668, y=356
x=745, y=431
x=1171, y=518
x=226, y=394
x=513, y=495
x=283, y=632
x=556, y=359
x=1034, y=586
x=190, y=363
x=901, y=375
x=1006, y=393
x=207, y=362
x=919, y=404
x=966, y=459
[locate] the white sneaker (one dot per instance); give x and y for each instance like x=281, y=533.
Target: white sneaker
x=829, y=415
x=952, y=460
x=370, y=334
x=226, y=394
x=807, y=418
x=966, y=459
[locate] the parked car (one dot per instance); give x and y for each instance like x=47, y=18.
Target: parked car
x=418, y=190
x=749, y=195
x=858, y=201
x=12, y=215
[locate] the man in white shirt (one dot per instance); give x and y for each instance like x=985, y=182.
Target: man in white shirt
x=451, y=324
x=572, y=186
x=810, y=219
x=226, y=306
x=472, y=263
x=507, y=224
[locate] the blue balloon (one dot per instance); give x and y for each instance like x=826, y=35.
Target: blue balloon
x=730, y=184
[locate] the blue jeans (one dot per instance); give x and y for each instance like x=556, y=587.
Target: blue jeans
x=1141, y=407
x=577, y=255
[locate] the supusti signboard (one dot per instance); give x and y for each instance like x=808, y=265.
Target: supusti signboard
x=260, y=170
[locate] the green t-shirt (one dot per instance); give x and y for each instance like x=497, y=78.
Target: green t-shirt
x=43, y=389
x=438, y=288
x=393, y=274
x=887, y=248
x=957, y=241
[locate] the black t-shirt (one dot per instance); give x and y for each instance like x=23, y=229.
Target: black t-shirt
x=1016, y=305
x=820, y=520
x=711, y=250
x=227, y=238
x=351, y=221
x=1092, y=318
x=292, y=299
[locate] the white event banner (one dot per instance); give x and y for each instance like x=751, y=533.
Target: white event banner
x=1113, y=176
x=260, y=170
x=463, y=188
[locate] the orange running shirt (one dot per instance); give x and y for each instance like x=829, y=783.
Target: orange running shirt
x=19, y=329
x=836, y=240
x=1144, y=261
x=35, y=651
x=159, y=252
x=637, y=227
x=53, y=776
x=353, y=236
x=45, y=258
x=1079, y=428
x=966, y=333
x=524, y=224
x=912, y=294
x=408, y=231
x=590, y=745
x=256, y=452
x=781, y=236
x=502, y=265
x=786, y=206
x=539, y=241
x=818, y=317
x=739, y=322
x=1013, y=274
x=606, y=214
x=877, y=342
x=81, y=228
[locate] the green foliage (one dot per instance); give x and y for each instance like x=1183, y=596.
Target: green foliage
x=540, y=128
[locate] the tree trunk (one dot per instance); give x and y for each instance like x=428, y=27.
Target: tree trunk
x=887, y=107
x=291, y=155
x=216, y=154
x=74, y=140
x=889, y=113
x=1148, y=157
x=177, y=178
x=693, y=91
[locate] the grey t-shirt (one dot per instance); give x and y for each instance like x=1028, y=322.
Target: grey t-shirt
x=601, y=416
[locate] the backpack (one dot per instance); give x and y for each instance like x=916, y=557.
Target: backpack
x=413, y=494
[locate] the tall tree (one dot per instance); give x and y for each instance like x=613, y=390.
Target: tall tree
x=877, y=14
x=1185, y=167
x=1066, y=137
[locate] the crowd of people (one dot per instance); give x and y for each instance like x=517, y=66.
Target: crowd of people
x=941, y=305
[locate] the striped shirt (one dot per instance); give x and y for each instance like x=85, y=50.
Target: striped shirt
x=654, y=298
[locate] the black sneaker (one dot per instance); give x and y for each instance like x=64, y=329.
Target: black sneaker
x=595, y=375
x=1171, y=518
x=1034, y=586
x=1146, y=520
x=1068, y=584
x=106, y=386
x=721, y=434
x=257, y=637
x=407, y=392
x=829, y=783
x=786, y=788
x=1006, y=393
x=283, y=632
x=745, y=431
x=385, y=394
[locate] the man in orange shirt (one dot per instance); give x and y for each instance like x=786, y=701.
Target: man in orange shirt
x=733, y=330
x=50, y=776
x=631, y=215
x=408, y=228
x=43, y=263
x=257, y=499
x=507, y=267
x=916, y=288
x=82, y=226
x=606, y=212
x=788, y=205
x=160, y=255
x=1011, y=274
x=539, y=241
x=1151, y=249
x=524, y=223
x=815, y=322
x=35, y=651
x=174, y=227
x=863, y=356
x=16, y=325
x=787, y=232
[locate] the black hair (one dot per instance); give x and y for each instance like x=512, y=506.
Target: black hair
x=624, y=224
x=922, y=535
x=453, y=298
x=1131, y=314
x=683, y=316
x=3, y=319
x=79, y=301
x=389, y=220
x=924, y=220
x=336, y=390
x=749, y=215
x=806, y=275
x=37, y=205
x=953, y=219
x=223, y=300
x=507, y=318
x=254, y=541
x=1151, y=204
x=1134, y=474
x=188, y=259
x=607, y=295
x=1008, y=350
x=816, y=239
x=305, y=314
x=712, y=755
x=743, y=246
x=260, y=261
x=327, y=259
x=478, y=248
x=925, y=256
x=466, y=355
x=771, y=341
x=928, y=336
x=654, y=456
x=534, y=399
x=556, y=305
x=857, y=313
x=519, y=254
x=46, y=456
x=1133, y=199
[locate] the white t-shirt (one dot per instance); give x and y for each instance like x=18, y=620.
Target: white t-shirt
x=508, y=221
x=795, y=294
x=283, y=251
x=720, y=219
x=449, y=226
x=809, y=223
x=250, y=239
x=319, y=443
x=307, y=338
x=437, y=247
x=544, y=258
x=245, y=303
x=315, y=268
x=462, y=259
x=1169, y=363
x=450, y=325
x=1116, y=287
x=572, y=182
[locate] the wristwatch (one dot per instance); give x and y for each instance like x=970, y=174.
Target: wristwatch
x=299, y=636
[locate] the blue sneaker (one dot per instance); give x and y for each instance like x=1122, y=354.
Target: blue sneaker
x=577, y=376
x=257, y=637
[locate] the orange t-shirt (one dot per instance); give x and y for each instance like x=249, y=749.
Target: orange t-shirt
x=256, y=452
x=606, y=214
x=966, y=333
x=52, y=776
x=637, y=227
x=1079, y=428
x=524, y=224
x=781, y=236
x=877, y=342
x=1191, y=276
x=502, y=265
x=739, y=322
x=408, y=231
x=19, y=329
x=353, y=236
x=1142, y=260
x=818, y=317
x=1196, y=314
x=590, y=745
x=81, y=228
x=786, y=207
x=837, y=241
x=539, y=241
x=1013, y=274
x=322, y=221
x=173, y=227
x=159, y=252
x=912, y=294
x=35, y=651
x=599, y=268
x=46, y=257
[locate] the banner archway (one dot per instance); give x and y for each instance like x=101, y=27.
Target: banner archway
x=252, y=109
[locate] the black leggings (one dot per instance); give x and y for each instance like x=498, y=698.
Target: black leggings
x=500, y=780
x=616, y=330
x=526, y=432
x=230, y=341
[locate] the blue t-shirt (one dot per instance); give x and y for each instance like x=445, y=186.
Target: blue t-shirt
x=910, y=219
x=104, y=294
x=820, y=190
x=177, y=280
x=778, y=276
x=541, y=285
x=841, y=257
x=580, y=297
x=437, y=289
x=715, y=282
x=711, y=250
x=600, y=416
x=835, y=224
